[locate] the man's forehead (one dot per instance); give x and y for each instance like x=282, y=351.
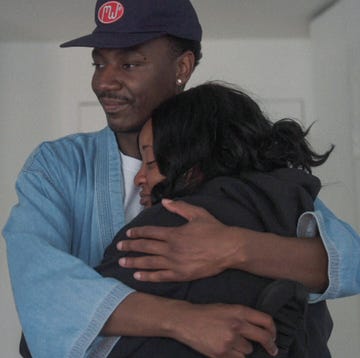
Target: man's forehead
x=135, y=48
x=103, y=51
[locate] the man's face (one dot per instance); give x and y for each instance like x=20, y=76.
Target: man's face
x=130, y=83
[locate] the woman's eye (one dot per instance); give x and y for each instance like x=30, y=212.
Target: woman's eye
x=151, y=164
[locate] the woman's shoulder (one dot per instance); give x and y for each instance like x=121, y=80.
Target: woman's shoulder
x=283, y=179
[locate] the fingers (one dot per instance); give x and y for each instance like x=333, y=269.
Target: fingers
x=144, y=262
x=159, y=264
x=181, y=208
x=142, y=245
x=242, y=347
x=259, y=327
x=158, y=276
x=226, y=330
x=150, y=232
x=259, y=335
x=187, y=211
x=260, y=319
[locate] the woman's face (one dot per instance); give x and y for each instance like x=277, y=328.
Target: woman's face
x=148, y=175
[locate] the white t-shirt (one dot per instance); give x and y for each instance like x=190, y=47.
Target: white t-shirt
x=130, y=167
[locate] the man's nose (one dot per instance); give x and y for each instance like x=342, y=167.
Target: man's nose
x=108, y=79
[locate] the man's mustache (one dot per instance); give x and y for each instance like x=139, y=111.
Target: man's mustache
x=111, y=95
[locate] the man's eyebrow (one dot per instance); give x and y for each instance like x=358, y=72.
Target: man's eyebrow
x=94, y=52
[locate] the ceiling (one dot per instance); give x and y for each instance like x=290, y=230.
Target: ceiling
x=50, y=20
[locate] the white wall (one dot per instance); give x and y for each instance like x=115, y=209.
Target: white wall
x=276, y=72
x=43, y=88
x=32, y=90
x=27, y=105
x=333, y=98
x=336, y=58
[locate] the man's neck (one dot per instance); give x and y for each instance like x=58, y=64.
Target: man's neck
x=128, y=144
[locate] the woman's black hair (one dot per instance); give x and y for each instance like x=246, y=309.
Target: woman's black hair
x=217, y=130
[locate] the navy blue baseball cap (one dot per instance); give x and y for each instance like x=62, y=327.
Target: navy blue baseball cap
x=127, y=23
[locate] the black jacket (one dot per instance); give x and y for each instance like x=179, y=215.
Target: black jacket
x=268, y=202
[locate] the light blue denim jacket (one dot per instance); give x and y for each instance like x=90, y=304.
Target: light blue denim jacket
x=70, y=207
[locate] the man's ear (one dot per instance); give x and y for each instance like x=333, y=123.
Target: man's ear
x=185, y=66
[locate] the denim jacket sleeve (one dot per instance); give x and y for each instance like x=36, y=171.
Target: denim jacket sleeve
x=61, y=301
x=341, y=242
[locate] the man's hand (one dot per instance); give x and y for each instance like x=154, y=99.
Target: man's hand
x=204, y=247
x=219, y=330
x=201, y=248
x=215, y=330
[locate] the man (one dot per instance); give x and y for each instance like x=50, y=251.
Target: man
x=74, y=197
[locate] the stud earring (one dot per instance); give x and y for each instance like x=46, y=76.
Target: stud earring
x=179, y=81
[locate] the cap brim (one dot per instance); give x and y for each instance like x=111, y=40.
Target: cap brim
x=112, y=39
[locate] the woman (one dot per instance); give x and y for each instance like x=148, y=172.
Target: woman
x=213, y=147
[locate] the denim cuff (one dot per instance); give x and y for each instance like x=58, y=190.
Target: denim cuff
x=311, y=224
x=90, y=341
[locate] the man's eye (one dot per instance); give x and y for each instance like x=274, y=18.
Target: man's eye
x=98, y=65
x=129, y=66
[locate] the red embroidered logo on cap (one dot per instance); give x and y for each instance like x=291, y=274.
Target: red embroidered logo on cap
x=110, y=12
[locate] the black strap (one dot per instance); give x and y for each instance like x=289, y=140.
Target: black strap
x=23, y=348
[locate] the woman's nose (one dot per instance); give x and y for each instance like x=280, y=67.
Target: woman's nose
x=140, y=178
